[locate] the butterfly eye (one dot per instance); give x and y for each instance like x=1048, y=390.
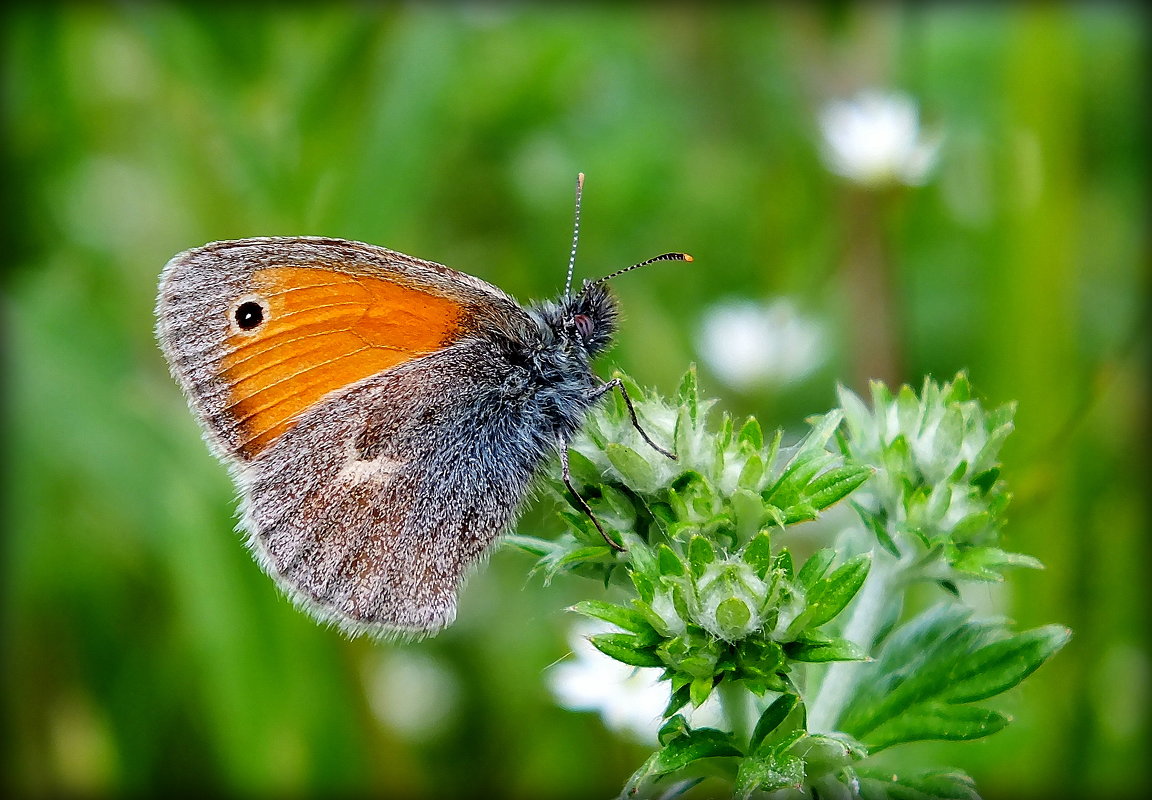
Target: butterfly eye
x=249, y=314
x=583, y=326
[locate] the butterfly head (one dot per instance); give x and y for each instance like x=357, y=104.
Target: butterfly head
x=582, y=324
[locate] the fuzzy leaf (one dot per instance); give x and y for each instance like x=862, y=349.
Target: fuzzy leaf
x=935, y=785
x=626, y=648
x=758, y=554
x=700, y=554
x=936, y=721
x=681, y=747
x=999, y=666
x=751, y=474
x=833, y=593
x=752, y=435
x=532, y=545
x=583, y=470
x=768, y=773
x=815, y=567
x=634, y=469
x=700, y=689
x=626, y=618
x=749, y=511
x=815, y=651
x=668, y=563
x=878, y=524
x=688, y=394
x=771, y=719
x=985, y=563
x=836, y=484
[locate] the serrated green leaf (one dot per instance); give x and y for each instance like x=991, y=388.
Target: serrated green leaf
x=773, y=449
x=583, y=470
x=751, y=474
x=644, y=586
x=748, y=509
x=626, y=648
x=915, y=664
x=700, y=743
x=620, y=504
x=783, y=562
x=857, y=418
x=815, y=567
x=771, y=719
x=878, y=524
x=986, y=562
x=835, y=484
x=970, y=528
x=668, y=563
x=759, y=659
x=758, y=554
x=584, y=555
x=634, y=469
x=626, y=618
x=797, y=474
x=688, y=393
x=673, y=728
x=818, y=652
x=985, y=480
x=999, y=666
x=927, y=721
x=700, y=554
x=532, y=545
x=700, y=689
x=935, y=785
x=768, y=773
x=800, y=512
x=833, y=593
x=679, y=699
x=823, y=426
x=752, y=435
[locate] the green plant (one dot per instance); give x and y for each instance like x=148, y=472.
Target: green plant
x=817, y=663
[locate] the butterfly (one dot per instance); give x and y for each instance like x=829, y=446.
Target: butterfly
x=383, y=417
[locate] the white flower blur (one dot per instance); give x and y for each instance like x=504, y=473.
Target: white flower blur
x=411, y=692
x=750, y=344
x=630, y=700
x=874, y=139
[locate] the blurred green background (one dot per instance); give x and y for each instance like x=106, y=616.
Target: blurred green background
x=142, y=648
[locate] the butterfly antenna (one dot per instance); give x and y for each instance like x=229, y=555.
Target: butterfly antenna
x=661, y=257
x=575, y=235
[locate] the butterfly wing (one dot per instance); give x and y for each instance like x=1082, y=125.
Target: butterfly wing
x=410, y=476
x=372, y=433
x=329, y=313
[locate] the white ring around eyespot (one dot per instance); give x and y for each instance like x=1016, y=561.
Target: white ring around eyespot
x=234, y=326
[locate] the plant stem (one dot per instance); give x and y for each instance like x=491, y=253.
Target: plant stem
x=734, y=701
x=867, y=614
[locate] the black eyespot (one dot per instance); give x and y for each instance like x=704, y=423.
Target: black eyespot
x=249, y=315
x=584, y=326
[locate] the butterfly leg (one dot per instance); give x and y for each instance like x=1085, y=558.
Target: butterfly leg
x=567, y=476
x=616, y=383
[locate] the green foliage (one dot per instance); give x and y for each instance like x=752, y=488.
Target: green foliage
x=937, y=486
x=714, y=601
x=145, y=654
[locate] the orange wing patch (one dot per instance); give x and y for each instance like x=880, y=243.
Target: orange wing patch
x=322, y=331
